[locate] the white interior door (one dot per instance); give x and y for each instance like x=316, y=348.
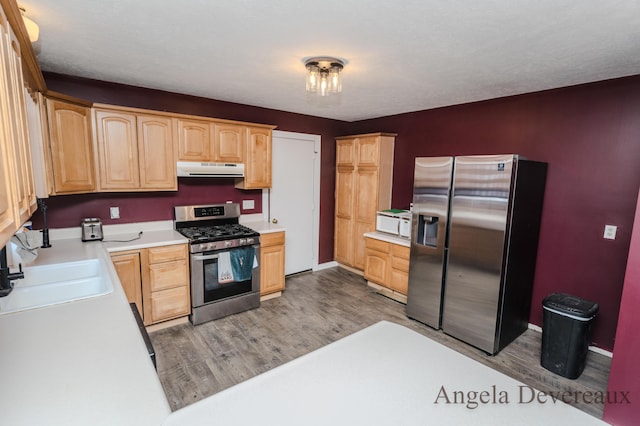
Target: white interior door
x=294, y=198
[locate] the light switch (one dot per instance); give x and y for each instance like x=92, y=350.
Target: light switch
x=248, y=204
x=114, y=212
x=610, y=232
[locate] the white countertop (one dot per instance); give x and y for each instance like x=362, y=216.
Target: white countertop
x=120, y=242
x=394, y=239
x=264, y=227
x=83, y=362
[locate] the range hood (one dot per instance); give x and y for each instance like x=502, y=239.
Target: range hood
x=196, y=169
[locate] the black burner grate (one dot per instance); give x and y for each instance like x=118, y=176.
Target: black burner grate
x=217, y=232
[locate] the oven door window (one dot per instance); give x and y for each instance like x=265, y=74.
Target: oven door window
x=214, y=289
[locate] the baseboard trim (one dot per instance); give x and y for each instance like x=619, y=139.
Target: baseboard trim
x=351, y=269
x=270, y=296
x=167, y=324
x=601, y=351
x=398, y=297
x=535, y=328
x=325, y=265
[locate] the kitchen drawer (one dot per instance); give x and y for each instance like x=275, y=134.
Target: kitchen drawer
x=271, y=239
x=400, y=251
x=373, y=244
x=167, y=275
x=400, y=264
x=167, y=253
x=170, y=303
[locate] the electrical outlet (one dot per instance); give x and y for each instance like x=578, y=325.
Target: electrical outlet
x=114, y=212
x=248, y=204
x=610, y=232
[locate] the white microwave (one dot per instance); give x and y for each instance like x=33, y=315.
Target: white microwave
x=394, y=222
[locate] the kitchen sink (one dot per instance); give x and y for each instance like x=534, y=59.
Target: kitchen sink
x=59, y=283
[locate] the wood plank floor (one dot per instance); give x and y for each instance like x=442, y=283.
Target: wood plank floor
x=316, y=309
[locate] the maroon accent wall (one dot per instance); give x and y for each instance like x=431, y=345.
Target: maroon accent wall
x=67, y=210
x=625, y=369
x=590, y=137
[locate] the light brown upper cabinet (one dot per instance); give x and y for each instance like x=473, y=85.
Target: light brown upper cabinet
x=257, y=170
x=229, y=143
x=364, y=173
x=156, y=153
x=117, y=148
x=8, y=220
x=17, y=193
x=134, y=151
x=194, y=140
x=345, y=153
x=70, y=147
x=16, y=126
x=209, y=141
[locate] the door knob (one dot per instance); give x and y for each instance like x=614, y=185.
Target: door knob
x=274, y=220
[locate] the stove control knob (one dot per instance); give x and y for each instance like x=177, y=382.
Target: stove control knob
x=251, y=240
x=228, y=243
x=242, y=242
x=210, y=246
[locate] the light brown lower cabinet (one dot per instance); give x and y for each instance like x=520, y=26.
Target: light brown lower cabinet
x=271, y=263
x=157, y=280
x=127, y=266
x=387, y=268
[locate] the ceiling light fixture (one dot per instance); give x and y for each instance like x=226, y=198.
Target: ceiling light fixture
x=323, y=75
x=32, y=28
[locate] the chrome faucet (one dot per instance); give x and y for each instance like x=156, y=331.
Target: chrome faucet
x=6, y=276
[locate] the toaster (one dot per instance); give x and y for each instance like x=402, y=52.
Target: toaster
x=91, y=229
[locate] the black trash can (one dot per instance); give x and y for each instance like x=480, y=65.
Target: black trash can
x=566, y=333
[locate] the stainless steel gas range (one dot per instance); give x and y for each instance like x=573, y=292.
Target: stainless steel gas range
x=225, y=274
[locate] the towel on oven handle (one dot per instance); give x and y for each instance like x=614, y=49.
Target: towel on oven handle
x=225, y=271
x=242, y=262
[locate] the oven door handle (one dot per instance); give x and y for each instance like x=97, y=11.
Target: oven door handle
x=207, y=257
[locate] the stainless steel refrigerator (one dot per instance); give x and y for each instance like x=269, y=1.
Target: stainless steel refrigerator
x=475, y=228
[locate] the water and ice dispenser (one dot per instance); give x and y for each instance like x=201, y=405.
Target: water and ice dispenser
x=427, y=230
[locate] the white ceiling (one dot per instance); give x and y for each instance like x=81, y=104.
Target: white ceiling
x=402, y=56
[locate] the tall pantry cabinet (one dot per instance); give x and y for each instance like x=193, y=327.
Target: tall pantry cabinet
x=364, y=175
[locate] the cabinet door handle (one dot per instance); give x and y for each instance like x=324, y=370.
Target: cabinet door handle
x=274, y=220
